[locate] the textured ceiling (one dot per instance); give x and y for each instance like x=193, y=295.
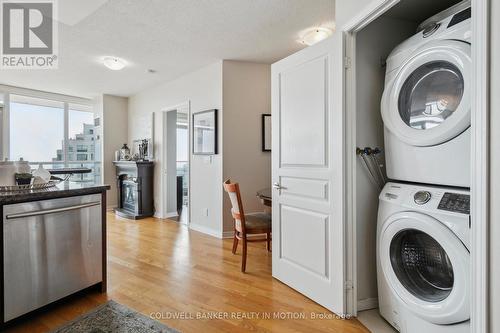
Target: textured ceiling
x=172, y=37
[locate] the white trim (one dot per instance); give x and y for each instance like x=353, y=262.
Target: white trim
x=181, y=106
x=370, y=13
x=367, y=304
x=206, y=230
x=45, y=95
x=480, y=165
x=165, y=216
x=6, y=127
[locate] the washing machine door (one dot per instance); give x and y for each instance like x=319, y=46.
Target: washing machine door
x=426, y=266
x=428, y=101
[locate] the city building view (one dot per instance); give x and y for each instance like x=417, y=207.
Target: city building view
x=83, y=150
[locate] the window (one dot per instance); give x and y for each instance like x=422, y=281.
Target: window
x=52, y=132
x=36, y=129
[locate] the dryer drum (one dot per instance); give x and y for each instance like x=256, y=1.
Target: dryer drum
x=421, y=265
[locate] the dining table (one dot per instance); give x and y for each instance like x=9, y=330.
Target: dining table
x=266, y=196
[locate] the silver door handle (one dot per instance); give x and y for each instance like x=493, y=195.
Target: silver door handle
x=51, y=211
x=277, y=186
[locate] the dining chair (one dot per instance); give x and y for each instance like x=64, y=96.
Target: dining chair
x=246, y=224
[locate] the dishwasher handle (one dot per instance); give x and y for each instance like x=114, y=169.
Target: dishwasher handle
x=52, y=211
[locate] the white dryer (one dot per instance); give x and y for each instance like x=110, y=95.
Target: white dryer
x=426, y=104
x=423, y=259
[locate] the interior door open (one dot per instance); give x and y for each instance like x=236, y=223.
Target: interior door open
x=308, y=250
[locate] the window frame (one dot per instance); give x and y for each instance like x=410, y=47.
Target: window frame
x=7, y=91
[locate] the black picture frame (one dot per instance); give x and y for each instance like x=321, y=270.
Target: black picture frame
x=266, y=132
x=200, y=147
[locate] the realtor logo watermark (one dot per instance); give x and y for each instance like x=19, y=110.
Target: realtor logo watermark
x=29, y=34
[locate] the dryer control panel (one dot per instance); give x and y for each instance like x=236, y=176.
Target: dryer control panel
x=455, y=202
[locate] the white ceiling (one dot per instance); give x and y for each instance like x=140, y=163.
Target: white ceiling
x=172, y=37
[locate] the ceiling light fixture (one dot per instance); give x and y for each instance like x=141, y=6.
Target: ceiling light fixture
x=114, y=63
x=316, y=35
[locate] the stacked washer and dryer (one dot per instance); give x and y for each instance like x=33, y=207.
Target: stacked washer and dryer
x=423, y=231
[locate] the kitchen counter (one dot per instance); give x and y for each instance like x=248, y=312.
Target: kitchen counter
x=62, y=190
x=53, y=245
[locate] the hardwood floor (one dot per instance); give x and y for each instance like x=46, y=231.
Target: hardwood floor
x=161, y=267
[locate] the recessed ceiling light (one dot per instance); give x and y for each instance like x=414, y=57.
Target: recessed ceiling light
x=114, y=63
x=316, y=35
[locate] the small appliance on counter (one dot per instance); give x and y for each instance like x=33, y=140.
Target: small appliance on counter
x=12, y=170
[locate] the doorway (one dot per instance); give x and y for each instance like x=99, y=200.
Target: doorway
x=176, y=164
x=362, y=97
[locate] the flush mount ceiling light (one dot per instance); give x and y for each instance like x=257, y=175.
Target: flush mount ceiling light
x=316, y=35
x=114, y=63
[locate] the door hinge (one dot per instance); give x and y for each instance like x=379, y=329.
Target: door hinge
x=348, y=285
x=347, y=62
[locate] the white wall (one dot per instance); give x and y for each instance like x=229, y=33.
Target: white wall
x=494, y=166
x=246, y=96
x=114, y=132
x=203, y=88
x=371, y=52
x=345, y=10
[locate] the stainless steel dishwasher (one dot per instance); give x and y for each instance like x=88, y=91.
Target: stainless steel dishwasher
x=52, y=248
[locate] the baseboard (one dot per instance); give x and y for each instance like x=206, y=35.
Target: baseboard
x=205, y=230
x=367, y=304
x=110, y=208
x=167, y=216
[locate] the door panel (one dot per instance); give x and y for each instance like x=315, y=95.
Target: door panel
x=304, y=187
x=300, y=226
x=304, y=104
x=308, y=247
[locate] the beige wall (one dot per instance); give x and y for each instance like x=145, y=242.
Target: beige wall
x=115, y=124
x=246, y=96
x=203, y=88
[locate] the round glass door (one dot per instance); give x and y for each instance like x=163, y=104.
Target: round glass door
x=430, y=95
x=427, y=101
x=421, y=265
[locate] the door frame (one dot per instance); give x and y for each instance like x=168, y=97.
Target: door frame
x=164, y=191
x=480, y=153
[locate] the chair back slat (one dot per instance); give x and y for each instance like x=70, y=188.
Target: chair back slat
x=233, y=190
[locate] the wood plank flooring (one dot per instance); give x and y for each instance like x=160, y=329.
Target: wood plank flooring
x=162, y=268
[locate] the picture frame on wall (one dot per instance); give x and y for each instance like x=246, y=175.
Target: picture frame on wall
x=266, y=132
x=205, y=132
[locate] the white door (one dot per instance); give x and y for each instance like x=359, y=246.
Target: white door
x=308, y=250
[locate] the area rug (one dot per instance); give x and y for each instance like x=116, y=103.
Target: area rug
x=113, y=317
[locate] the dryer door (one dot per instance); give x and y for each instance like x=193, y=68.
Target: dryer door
x=426, y=266
x=428, y=101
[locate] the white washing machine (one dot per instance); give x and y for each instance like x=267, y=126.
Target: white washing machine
x=423, y=260
x=426, y=104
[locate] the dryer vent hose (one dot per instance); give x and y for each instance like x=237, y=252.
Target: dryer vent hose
x=371, y=161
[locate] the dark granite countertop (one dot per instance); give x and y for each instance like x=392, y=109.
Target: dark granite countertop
x=64, y=189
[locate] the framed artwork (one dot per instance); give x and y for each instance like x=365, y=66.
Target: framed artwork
x=266, y=132
x=205, y=132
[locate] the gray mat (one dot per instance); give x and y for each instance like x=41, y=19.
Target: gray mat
x=112, y=317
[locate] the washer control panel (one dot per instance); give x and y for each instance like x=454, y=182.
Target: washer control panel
x=455, y=202
x=422, y=197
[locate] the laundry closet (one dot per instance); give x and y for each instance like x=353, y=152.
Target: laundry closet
x=426, y=127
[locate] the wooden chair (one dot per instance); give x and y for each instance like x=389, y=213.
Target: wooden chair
x=246, y=224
